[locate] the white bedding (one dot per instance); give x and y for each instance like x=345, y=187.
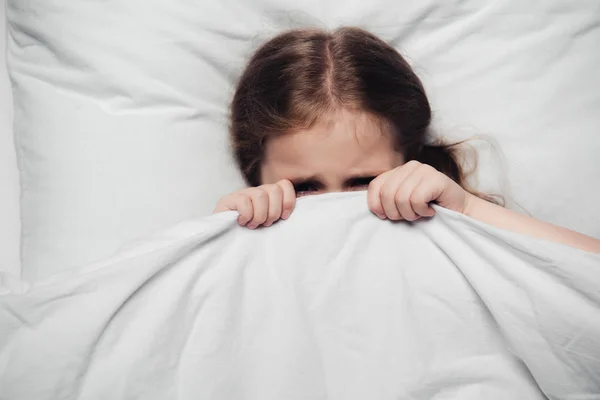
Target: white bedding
x=10, y=224
x=332, y=304
x=121, y=106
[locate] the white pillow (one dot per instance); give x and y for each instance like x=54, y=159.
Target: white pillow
x=121, y=107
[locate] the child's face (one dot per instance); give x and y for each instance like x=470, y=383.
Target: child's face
x=341, y=153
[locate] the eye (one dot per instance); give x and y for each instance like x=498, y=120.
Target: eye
x=360, y=183
x=305, y=188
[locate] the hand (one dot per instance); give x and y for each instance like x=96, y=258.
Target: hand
x=405, y=193
x=262, y=205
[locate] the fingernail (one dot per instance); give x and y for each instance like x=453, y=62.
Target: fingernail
x=381, y=216
x=286, y=215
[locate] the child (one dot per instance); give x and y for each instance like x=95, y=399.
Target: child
x=318, y=112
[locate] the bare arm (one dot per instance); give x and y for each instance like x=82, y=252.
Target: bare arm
x=503, y=218
x=405, y=193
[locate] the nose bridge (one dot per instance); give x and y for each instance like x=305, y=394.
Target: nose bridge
x=334, y=182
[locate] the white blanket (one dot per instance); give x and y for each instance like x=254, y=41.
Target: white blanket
x=331, y=304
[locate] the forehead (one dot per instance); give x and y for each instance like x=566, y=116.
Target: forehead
x=340, y=144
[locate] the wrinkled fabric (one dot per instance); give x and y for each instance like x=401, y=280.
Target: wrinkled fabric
x=330, y=304
x=121, y=107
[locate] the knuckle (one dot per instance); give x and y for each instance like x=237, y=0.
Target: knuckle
x=247, y=190
x=261, y=208
x=240, y=197
x=246, y=198
x=428, y=168
x=378, y=180
x=400, y=197
x=387, y=191
x=372, y=185
x=416, y=199
x=413, y=163
x=284, y=183
x=261, y=193
x=276, y=190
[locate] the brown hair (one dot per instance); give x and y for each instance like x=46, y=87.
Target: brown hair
x=298, y=76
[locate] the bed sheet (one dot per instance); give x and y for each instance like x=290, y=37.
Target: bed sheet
x=9, y=176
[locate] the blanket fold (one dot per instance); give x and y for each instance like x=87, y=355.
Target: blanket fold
x=330, y=304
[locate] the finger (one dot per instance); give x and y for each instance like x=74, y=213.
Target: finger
x=387, y=194
x=381, y=191
x=227, y=203
x=275, y=204
x=419, y=205
x=404, y=193
x=243, y=205
x=391, y=198
x=374, y=194
x=289, y=198
x=239, y=202
x=427, y=191
x=260, y=205
x=388, y=202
